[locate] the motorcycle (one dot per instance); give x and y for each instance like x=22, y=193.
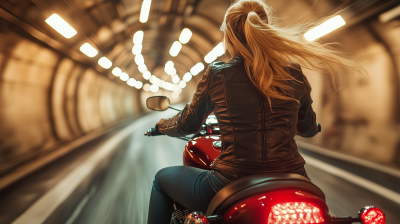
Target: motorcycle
x=272, y=198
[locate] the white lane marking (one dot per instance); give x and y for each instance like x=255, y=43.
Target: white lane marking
x=45, y=206
x=348, y=158
x=80, y=206
x=354, y=179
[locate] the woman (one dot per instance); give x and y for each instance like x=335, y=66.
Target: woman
x=261, y=100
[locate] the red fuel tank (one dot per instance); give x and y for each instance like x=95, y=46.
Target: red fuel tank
x=202, y=151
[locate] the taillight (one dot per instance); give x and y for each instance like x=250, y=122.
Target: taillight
x=295, y=212
x=372, y=215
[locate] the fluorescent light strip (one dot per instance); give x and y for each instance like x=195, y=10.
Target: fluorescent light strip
x=117, y=71
x=144, y=13
x=137, y=49
x=325, y=28
x=89, y=50
x=61, y=26
x=175, y=49
x=216, y=52
x=185, y=36
x=124, y=76
x=131, y=82
x=105, y=62
x=139, y=60
x=196, y=69
x=138, y=37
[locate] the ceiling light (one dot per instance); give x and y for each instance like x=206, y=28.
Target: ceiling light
x=170, y=71
x=161, y=83
x=144, y=13
x=142, y=68
x=325, y=28
x=169, y=86
x=138, y=37
x=117, y=71
x=182, y=84
x=61, y=26
x=169, y=64
x=187, y=77
x=210, y=57
x=185, y=36
x=197, y=69
x=124, y=76
x=105, y=62
x=89, y=50
x=146, y=87
x=219, y=50
x=153, y=79
x=147, y=75
x=154, y=88
x=138, y=85
x=175, y=48
x=131, y=82
x=176, y=79
x=216, y=52
x=139, y=60
x=137, y=49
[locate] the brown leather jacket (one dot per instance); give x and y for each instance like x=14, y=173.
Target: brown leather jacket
x=254, y=138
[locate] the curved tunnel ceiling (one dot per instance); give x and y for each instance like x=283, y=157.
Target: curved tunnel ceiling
x=109, y=25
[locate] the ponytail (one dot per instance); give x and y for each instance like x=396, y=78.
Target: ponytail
x=268, y=50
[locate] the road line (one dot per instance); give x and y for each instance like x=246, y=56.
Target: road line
x=348, y=158
x=354, y=179
x=48, y=203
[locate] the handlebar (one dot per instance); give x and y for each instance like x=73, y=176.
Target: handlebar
x=152, y=132
x=155, y=132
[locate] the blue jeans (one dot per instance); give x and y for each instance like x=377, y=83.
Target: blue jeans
x=191, y=187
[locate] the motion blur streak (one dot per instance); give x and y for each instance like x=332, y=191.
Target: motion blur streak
x=74, y=77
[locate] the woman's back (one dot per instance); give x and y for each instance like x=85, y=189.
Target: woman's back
x=255, y=137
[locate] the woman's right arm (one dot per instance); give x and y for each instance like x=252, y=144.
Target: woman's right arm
x=306, y=124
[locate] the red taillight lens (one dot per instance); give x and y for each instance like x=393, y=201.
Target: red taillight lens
x=295, y=212
x=373, y=215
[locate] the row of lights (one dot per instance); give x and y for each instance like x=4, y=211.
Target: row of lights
x=61, y=26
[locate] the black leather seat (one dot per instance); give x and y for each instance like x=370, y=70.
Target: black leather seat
x=255, y=184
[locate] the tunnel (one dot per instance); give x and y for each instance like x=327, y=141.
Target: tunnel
x=75, y=77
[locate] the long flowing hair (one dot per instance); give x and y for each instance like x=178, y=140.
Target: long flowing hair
x=250, y=28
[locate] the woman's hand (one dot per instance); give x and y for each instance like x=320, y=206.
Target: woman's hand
x=160, y=121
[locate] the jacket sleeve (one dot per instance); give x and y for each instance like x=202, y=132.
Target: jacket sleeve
x=306, y=124
x=190, y=119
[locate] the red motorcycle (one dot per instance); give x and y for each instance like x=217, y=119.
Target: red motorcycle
x=270, y=198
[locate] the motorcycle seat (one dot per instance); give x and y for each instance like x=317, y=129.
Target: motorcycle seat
x=259, y=183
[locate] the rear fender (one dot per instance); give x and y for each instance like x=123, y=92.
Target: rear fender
x=256, y=209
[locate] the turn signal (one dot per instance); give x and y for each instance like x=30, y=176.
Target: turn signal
x=295, y=212
x=372, y=215
x=196, y=218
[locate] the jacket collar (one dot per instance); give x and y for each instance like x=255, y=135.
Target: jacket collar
x=236, y=59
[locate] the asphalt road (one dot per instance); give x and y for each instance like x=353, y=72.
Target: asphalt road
x=120, y=192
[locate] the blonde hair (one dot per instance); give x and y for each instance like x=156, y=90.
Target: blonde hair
x=268, y=50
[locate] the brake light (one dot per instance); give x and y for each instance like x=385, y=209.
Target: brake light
x=372, y=215
x=295, y=212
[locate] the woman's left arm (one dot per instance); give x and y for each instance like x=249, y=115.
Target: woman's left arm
x=190, y=119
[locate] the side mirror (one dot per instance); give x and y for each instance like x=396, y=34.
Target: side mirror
x=158, y=103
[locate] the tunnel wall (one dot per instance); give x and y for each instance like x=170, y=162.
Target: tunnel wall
x=47, y=99
x=362, y=117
